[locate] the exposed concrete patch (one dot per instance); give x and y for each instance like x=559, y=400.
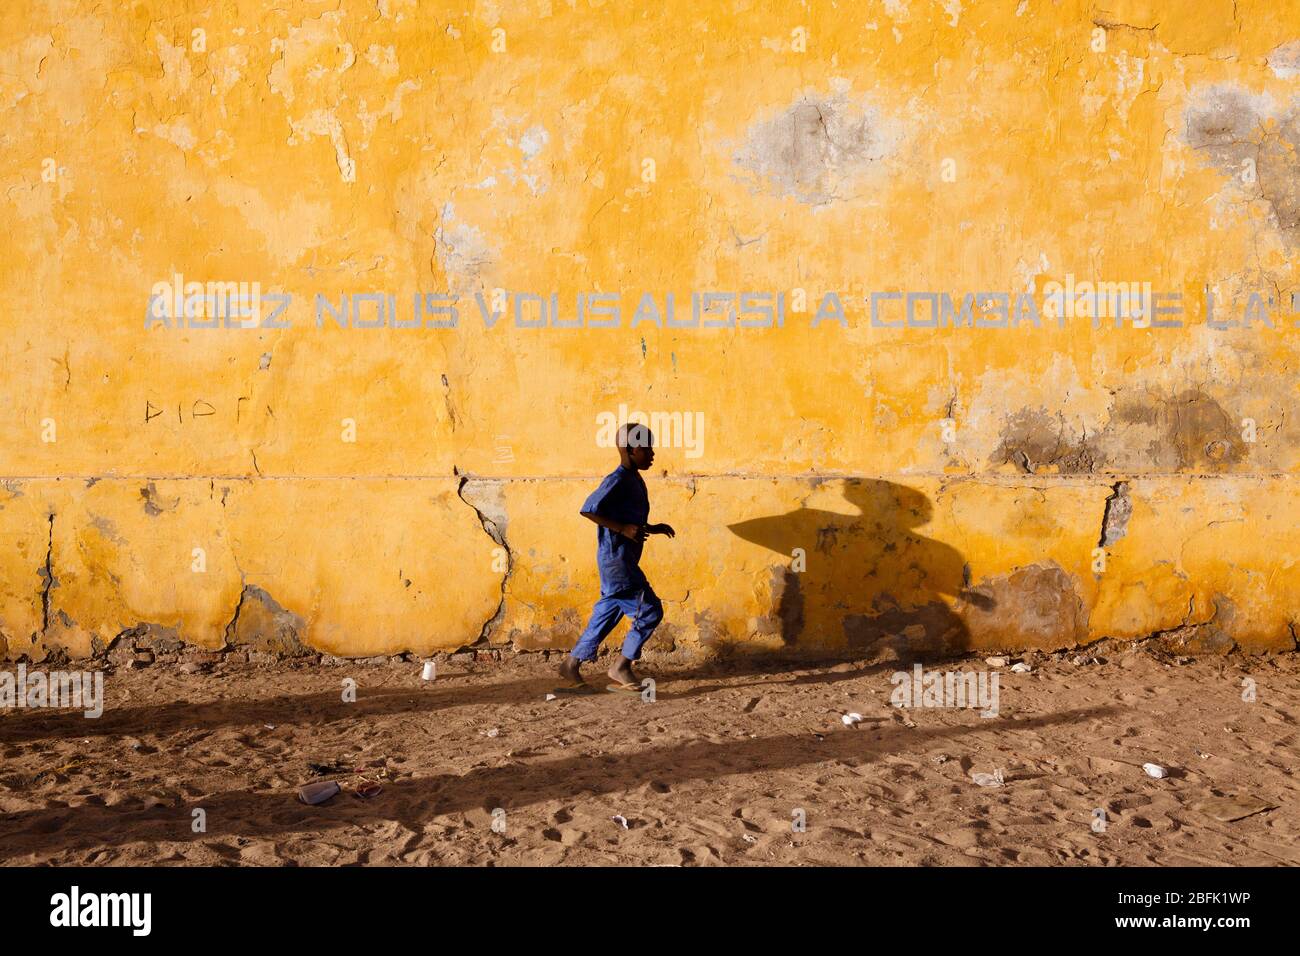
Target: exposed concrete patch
x=1222, y=122
x=1207, y=637
x=1202, y=432
x=156, y=637
x=145, y=642
x=1115, y=518
x=261, y=624
x=462, y=250
x=54, y=656
x=1031, y=438
x=1284, y=60
x=1190, y=431
x=1236, y=130
x=58, y=635
x=1279, y=170
x=817, y=146
x=1033, y=607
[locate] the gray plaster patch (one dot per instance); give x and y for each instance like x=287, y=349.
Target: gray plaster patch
x=815, y=148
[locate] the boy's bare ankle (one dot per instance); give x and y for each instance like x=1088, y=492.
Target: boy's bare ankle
x=622, y=671
x=570, y=669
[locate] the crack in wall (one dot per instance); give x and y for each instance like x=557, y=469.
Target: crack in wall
x=495, y=528
x=48, y=579
x=228, y=635
x=451, y=407
x=1200, y=636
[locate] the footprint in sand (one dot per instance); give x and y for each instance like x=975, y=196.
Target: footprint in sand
x=565, y=836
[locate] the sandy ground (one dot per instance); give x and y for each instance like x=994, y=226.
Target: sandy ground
x=711, y=772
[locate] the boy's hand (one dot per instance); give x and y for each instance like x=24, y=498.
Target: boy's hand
x=661, y=529
x=633, y=532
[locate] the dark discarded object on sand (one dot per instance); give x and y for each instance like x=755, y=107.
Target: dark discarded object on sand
x=328, y=769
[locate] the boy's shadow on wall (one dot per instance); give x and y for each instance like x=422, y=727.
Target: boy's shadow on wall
x=871, y=582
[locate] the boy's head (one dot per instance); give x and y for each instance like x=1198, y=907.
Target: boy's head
x=635, y=446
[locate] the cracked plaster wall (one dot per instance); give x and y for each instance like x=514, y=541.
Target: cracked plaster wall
x=351, y=147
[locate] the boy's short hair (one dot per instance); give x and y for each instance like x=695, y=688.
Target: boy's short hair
x=634, y=435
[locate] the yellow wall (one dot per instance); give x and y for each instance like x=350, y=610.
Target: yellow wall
x=396, y=146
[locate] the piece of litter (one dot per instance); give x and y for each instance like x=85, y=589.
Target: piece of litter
x=319, y=792
x=851, y=718
x=749, y=838
x=269, y=726
x=327, y=769
x=994, y=779
x=1155, y=770
x=551, y=697
x=430, y=670
x=996, y=661
x=940, y=758
x=620, y=820
x=1021, y=668
x=491, y=733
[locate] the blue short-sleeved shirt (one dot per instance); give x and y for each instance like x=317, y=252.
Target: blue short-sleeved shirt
x=621, y=497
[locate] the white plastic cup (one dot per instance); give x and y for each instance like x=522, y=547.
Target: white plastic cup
x=318, y=792
x=430, y=670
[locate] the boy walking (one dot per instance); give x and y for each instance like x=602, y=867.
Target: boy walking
x=620, y=508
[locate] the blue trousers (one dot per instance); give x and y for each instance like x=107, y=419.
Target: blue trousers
x=640, y=603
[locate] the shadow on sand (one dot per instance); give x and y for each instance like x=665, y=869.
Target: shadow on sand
x=414, y=802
